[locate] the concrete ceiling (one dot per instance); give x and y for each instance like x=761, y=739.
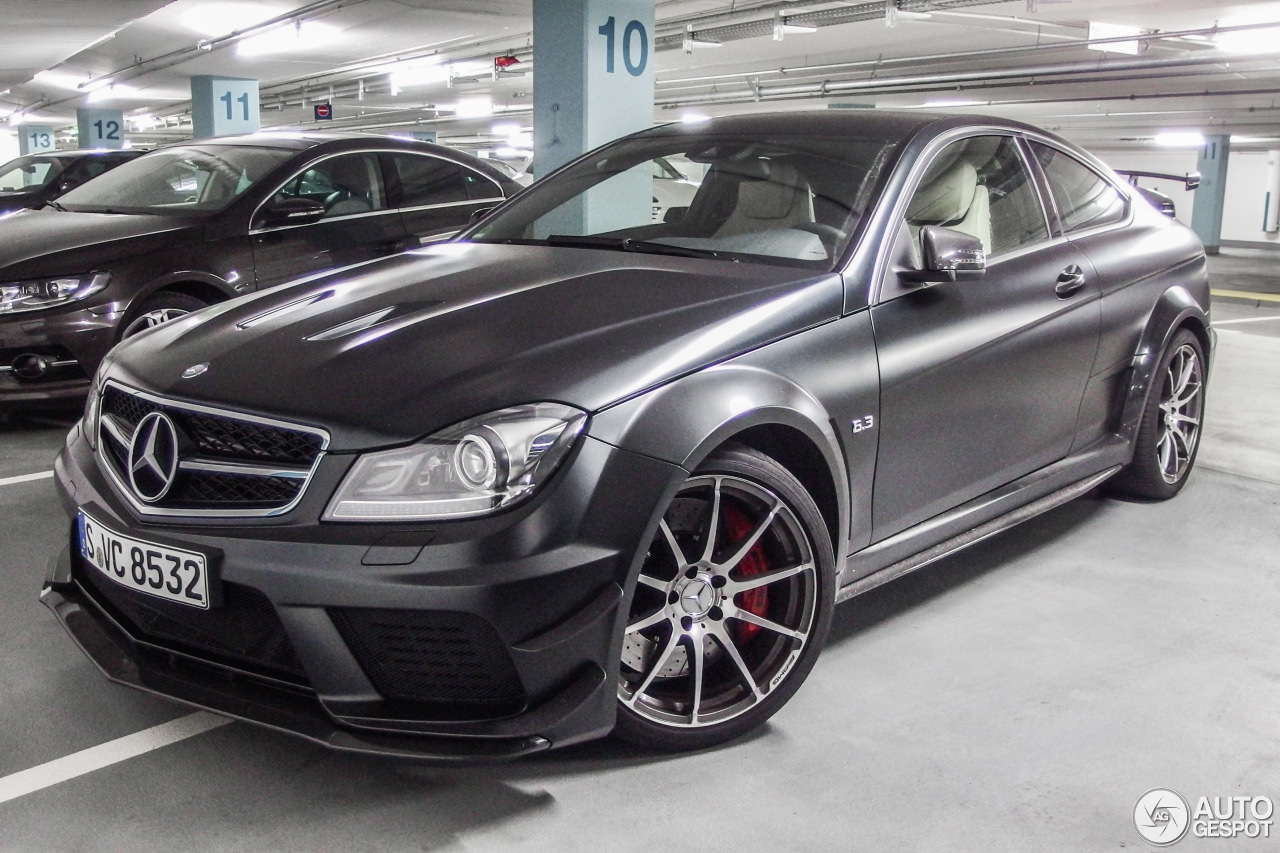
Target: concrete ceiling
x=1025, y=59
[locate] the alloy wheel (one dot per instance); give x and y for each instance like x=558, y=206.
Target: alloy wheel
x=724, y=605
x=1180, y=411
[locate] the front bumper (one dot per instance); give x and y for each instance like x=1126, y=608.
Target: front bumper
x=533, y=595
x=72, y=341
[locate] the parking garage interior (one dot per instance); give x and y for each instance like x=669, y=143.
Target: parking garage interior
x=1020, y=694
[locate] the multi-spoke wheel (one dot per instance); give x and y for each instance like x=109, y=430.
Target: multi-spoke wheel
x=731, y=607
x=160, y=308
x=1170, y=431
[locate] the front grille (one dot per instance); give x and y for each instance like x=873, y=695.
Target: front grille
x=244, y=633
x=230, y=465
x=454, y=661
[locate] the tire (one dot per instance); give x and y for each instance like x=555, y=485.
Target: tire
x=158, y=309
x=710, y=652
x=1169, y=434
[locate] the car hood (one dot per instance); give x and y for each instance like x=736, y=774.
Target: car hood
x=402, y=347
x=53, y=242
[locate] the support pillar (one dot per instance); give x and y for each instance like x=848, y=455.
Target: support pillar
x=1271, y=201
x=35, y=138
x=1206, y=213
x=100, y=128
x=222, y=106
x=593, y=83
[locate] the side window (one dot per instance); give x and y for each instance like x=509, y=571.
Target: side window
x=980, y=186
x=346, y=185
x=428, y=180
x=1084, y=198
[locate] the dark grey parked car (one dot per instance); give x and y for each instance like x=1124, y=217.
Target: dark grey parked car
x=579, y=472
x=34, y=180
x=191, y=224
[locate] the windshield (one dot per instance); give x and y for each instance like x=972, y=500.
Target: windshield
x=788, y=200
x=187, y=179
x=30, y=172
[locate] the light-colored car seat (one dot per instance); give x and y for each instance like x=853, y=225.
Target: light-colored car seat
x=778, y=200
x=954, y=199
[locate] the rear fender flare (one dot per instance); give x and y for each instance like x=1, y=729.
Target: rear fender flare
x=1175, y=309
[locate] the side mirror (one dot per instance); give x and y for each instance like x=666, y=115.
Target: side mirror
x=948, y=255
x=674, y=215
x=291, y=211
x=478, y=214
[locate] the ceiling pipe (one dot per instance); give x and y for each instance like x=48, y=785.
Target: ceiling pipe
x=881, y=62
x=889, y=85
x=867, y=11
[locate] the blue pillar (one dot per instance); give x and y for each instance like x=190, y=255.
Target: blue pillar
x=1206, y=212
x=100, y=128
x=593, y=77
x=221, y=106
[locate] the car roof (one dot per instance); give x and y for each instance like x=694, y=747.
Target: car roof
x=885, y=124
x=298, y=140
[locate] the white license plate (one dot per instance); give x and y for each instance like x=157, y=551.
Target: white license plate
x=159, y=570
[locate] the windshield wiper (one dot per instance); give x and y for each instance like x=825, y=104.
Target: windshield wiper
x=627, y=244
x=56, y=206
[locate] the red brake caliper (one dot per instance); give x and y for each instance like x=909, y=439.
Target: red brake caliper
x=756, y=601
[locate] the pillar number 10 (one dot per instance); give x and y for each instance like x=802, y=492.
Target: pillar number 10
x=633, y=32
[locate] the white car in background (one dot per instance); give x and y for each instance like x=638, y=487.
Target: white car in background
x=672, y=188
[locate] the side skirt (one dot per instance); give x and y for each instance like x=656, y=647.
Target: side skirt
x=968, y=537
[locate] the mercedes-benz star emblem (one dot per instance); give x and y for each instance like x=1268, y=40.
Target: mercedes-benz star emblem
x=153, y=457
x=195, y=370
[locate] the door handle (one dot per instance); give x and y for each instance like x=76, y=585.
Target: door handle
x=1070, y=282
x=391, y=247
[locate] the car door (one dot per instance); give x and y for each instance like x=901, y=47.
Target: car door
x=436, y=196
x=981, y=381
x=358, y=223
x=1095, y=216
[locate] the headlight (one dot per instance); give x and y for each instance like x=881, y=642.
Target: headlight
x=49, y=292
x=90, y=423
x=472, y=468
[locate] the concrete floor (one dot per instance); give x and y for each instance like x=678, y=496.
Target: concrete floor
x=1018, y=696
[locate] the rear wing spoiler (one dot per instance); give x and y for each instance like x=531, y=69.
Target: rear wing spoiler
x=1190, y=180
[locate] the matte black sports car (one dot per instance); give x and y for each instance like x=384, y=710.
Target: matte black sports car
x=580, y=472
x=196, y=223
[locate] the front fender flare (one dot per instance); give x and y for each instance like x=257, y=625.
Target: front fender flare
x=685, y=421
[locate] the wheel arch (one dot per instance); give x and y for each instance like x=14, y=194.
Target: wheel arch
x=199, y=285
x=687, y=421
x=1175, y=310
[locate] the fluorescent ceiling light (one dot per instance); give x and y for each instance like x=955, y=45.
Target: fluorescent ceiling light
x=1249, y=41
x=110, y=92
x=1111, y=31
x=949, y=103
x=287, y=38
x=474, y=108
x=505, y=128
x=418, y=72
x=61, y=79
x=1180, y=139
x=220, y=19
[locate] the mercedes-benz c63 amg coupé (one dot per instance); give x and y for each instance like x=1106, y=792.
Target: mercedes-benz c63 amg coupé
x=579, y=472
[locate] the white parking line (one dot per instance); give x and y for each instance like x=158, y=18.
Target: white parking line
x=1246, y=320
x=25, y=478
x=112, y=752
